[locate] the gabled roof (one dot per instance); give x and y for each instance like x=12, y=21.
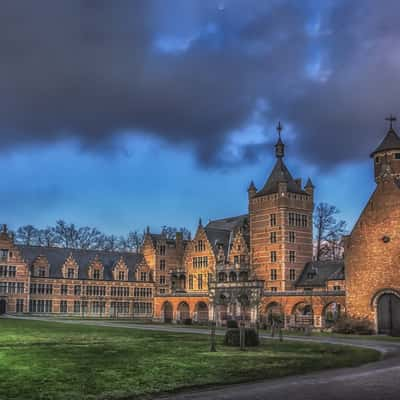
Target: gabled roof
x=280, y=174
x=57, y=256
x=390, y=142
x=317, y=273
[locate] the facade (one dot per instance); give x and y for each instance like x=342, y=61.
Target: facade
x=248, y=267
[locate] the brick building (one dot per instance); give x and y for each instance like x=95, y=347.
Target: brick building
x=245, y=267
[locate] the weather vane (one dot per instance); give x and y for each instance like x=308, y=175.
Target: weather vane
x=391, y=119
x=279, y=128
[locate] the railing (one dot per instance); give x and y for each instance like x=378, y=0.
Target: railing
x=306, y=293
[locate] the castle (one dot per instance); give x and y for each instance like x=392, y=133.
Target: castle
x=246, y=267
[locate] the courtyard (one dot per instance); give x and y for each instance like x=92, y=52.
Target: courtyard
x=48, y=360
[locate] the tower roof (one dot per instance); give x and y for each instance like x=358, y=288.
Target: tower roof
x=280, y=174
x=390, y=142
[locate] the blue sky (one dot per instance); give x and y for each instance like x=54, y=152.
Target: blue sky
x=125, y=114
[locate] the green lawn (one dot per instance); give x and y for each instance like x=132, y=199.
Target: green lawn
x=44, y=360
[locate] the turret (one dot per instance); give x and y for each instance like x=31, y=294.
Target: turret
x=252, y=190
x=309, y=188
x=387, y=155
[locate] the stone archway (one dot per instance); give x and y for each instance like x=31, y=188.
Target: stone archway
x=202, y=312
x=273, y=311
x=183, y=311
x=167, y=312
x=3, y=306
x=331, y=313
x=388, y=314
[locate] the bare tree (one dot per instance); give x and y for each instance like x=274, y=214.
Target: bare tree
x=329, y=232
x=27, y=235
x=88, y=238
x=170, y=232
x=47, y=237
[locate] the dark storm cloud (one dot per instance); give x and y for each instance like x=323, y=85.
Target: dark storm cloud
x=92, y=69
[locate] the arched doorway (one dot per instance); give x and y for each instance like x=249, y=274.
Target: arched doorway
x=3, y=306
x=183, y=311
x=168, y=312
x=389, y=314
x=303, y=315
x=332, y=313
x=273, y=312
x=202, y=312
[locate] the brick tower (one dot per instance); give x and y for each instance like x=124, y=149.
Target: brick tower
x=280, y=225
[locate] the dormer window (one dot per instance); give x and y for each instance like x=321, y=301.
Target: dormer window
x=70, y=273
x=42, y=272
x=143, y=276
x=121, y=275
x=397, y=156
x=96, y=274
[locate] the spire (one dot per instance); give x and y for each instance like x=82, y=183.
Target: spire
x=279, y=147
x=200, y=222
x=309, y=184
x=252, y=187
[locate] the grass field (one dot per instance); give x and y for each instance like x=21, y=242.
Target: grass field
x=44, y=360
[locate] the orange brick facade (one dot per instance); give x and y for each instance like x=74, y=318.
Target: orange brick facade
x=266, y=253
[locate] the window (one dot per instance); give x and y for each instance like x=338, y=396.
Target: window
x=121, y=291
x=200, y=246
x=292, y=237
x=4, y=254
x=77, y=290
x=63, y=306
x=143, y=276
x=12, y=271
x=236, y=259
x=273, y=256
x=161, y=250
x=95, y=290
x=40, y=306
x=274, y=289
x=162, y=265
x=299, y=220
x=3, y=270
x=292, y=256
x=273, y=219
x=162, y=291
x=274, y=275
x=42, y=272
x=337, y=288
x=70, y=273
x=190, y=281
x=162, y=280
x=273, y=237
x=292, y=274
x=121, y=275
x=377, y=160
x=64, y=289
x=96, y=274
x=397, y=156
x=200, y=281
x=20, y=305
x=77, y=306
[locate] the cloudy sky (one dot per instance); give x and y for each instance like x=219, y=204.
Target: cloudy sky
x=126, y=113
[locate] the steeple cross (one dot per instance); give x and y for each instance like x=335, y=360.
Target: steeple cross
x=391, y=119
x=279, y=128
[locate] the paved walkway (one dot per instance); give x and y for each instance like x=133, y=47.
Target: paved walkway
x=377, y=381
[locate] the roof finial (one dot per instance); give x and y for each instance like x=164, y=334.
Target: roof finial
x=279, y=128
x=200, y=222
x=279, y=147
x=391, y=119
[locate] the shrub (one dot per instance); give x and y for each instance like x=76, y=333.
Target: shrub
x=188, y=321
x=232, y=337
x=232, y=324
x=355, y=326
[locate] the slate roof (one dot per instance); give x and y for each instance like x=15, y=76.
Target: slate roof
x=221, y=232
x=56, y=257
x=317, y=273
x=390, y=142
x=280, y=174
